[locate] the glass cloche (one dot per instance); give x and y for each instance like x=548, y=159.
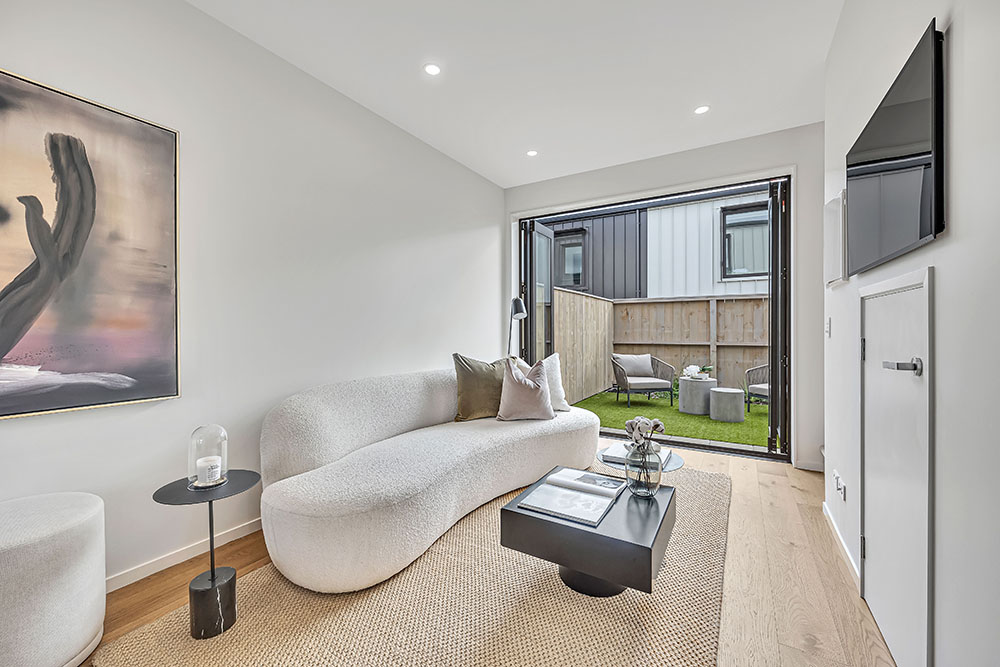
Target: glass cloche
x=207, y=465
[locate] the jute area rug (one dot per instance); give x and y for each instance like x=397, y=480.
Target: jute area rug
x=469, y=601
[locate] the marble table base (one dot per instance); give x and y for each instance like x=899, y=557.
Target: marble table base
x=212, y=603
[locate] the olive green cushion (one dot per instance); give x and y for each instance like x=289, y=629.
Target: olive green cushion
x=479, y=387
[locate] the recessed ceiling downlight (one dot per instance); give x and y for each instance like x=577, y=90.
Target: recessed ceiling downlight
x=702, y=109
x=432, y=69
x=532, y=153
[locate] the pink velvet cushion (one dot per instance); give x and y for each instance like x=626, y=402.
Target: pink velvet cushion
x=524, y=395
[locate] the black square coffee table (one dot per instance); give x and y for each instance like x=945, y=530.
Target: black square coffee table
x=624, y=550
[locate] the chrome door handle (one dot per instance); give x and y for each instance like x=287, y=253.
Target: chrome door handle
x=915, y=365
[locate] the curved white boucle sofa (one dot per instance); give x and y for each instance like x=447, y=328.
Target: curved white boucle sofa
x=362, y=477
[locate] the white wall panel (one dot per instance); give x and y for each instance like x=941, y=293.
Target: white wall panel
x=685, y=245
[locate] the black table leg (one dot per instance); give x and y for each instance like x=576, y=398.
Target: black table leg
x=211, y=536
x=212, y=594
x=588, y=585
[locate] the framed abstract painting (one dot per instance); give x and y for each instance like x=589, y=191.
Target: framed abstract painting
x=88, y=253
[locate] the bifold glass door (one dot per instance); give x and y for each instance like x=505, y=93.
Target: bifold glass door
x=779, y=215
x=537, y=244
x=698, y=278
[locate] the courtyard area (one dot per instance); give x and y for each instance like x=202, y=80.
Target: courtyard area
x=614, y=414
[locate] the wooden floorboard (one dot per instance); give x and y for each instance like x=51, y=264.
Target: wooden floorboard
x=793, y=657
x=859, y=635
x=146, y=600
x=802, y=611
x=747, y=632
x=788, y=598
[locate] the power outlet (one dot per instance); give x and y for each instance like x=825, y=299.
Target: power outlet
x=839, y=485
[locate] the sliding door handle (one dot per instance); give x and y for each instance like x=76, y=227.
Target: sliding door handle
x=915, y=365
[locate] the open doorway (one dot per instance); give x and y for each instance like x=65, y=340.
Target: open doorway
x=694, y=279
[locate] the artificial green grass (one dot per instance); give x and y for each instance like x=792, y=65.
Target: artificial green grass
x=614, y=415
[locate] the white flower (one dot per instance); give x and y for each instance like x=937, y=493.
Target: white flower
x=691, y=371
x=641, y=428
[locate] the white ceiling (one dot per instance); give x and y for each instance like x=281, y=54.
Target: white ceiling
x=587, y=83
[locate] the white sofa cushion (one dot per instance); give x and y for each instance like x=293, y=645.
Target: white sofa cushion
x=553, y=374
x=759, y=389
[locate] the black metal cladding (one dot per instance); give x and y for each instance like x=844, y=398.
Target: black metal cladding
x=614, y=253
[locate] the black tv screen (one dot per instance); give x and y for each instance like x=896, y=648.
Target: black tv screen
x=895, y=170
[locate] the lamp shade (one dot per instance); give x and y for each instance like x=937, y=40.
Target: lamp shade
x=517, y=309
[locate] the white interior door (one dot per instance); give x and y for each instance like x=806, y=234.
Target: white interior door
x=897, y=463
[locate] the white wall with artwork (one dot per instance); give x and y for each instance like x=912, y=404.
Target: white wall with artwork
x=88, y=289
x=294, y=268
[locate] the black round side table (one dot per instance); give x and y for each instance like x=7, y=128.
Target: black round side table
x=212, y=594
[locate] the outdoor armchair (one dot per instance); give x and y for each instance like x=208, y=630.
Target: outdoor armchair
x=758, y=383
x=642, y=374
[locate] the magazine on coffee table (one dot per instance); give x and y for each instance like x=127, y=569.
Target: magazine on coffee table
x=618, y=450
x=575, y=495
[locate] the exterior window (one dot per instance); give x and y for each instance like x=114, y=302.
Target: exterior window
x=569, y=268
x=745, y=241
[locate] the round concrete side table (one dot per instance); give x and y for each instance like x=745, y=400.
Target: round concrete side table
x=694, y=395
x=726, y=404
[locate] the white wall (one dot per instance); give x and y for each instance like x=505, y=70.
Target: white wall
x=872, y=42
x=799, y=150
x=296, y=265
x=684, y=250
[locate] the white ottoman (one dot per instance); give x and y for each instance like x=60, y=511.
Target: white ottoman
x=51, y=579
x=726, y=404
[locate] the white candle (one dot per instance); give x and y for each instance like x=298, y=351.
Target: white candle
x=209, y=469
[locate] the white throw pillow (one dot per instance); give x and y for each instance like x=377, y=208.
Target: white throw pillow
x=553, y=374
x=524, y=395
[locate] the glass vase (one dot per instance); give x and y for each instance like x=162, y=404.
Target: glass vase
x=643, y=468
x=207, y=457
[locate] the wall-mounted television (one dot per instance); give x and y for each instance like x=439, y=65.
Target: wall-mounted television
x=895, y=170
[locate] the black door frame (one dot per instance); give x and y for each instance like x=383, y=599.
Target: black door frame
x=779, y=344
x=779, y=282
x=528, y=327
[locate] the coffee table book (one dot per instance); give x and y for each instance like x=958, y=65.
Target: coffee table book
x=576, y=495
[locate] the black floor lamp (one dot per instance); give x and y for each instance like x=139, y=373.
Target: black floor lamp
x=517, y=312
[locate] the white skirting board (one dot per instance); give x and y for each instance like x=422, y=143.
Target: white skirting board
x=844, y=551
x=116, y=581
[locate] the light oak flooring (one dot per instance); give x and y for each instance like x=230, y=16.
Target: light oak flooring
x=790, y=599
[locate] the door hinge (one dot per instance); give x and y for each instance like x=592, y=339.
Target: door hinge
x=524, y=290
x=864, y=549
x=862, y=349
x=784, y=360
